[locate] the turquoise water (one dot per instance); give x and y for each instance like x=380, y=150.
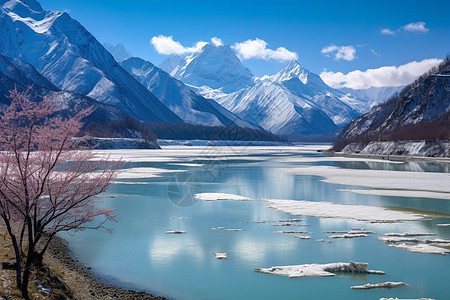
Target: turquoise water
x=139, y=255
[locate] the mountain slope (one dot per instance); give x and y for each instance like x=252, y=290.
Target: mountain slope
x=17, y=74
x=310, y=87
x=189, y=106
x=171, y=62
x=364, y=99
x=293, y=102
x=216, y=67
x=119, y=52
x=66, y=54
x=277, y=110
x=420, y=111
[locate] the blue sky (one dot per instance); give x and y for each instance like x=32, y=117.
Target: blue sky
x=306, y=28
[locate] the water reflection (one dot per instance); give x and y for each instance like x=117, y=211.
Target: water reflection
x=167, y=248
x=412, y=166
x=182, y=266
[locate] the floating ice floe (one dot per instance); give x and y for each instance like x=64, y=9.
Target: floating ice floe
x=443, y=225
x=352, y=231
x=220, y=255
x=289, y=224
x=302, y=237
x=408, y=234
x=318, y=270
x=142, y=173
x=291, y=231
x=347, y=236
x=228, y=229
x=179, y=218
x=382, y=285
x=323, y=241
x=386, y=182
x=176, y=232
x=375, y=214
x=399, y=239
x=437, y=241
x=421, y=248
x=220, y=196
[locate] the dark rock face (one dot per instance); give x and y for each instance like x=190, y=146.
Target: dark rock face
x=420, y=112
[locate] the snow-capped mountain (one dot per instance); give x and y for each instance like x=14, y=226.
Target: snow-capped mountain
x=171, y=62
x=310, y=87
x=17, y=74
x=119, y=52
x=65, y=53
x=293, y=102
x=364, y=99
x=275, y=109
x=425, y=101
x=216, y=67
x=180, y=99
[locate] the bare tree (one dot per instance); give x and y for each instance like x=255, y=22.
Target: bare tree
x=47, y=182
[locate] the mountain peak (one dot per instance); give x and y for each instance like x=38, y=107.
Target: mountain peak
x=118, y=51
x=292, y=70
x=23, y=8
x=171, y=62
x=215, y=66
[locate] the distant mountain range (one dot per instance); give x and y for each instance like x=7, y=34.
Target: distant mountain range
x=293, y=102
x=57, y=55
x=185, y=103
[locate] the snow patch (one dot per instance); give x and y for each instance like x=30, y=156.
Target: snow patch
x=374, y=214
x=219, y=196
x=421, y=248
x=318, y=270
x=384, y=285
x=220, y=255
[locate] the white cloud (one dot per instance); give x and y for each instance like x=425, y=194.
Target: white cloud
x=340, y=52
x=380, y=77
x=387, y=31
x=216, y=41
x=166, y=45
x=375, y=52
x=418, y=27
x=257, y=48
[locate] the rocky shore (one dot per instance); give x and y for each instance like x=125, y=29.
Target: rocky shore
x=80, y=281
x=61, y=277
x=399, y=149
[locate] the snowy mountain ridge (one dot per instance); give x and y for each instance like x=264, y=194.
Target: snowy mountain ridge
x=420, y=111
x=180, y=99
x=215, y=67
x=65, y=53
x=119, y=52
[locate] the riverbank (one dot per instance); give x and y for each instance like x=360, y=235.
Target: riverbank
x=61, y=277
x=411, y=149
x=403, y=158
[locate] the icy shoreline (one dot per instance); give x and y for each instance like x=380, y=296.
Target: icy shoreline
x=418, y=149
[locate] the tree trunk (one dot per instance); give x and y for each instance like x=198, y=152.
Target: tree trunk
x=17, y=254
x=26, y=278
x=28, y=261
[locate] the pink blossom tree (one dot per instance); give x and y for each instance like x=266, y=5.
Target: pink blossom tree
x=47, y=180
